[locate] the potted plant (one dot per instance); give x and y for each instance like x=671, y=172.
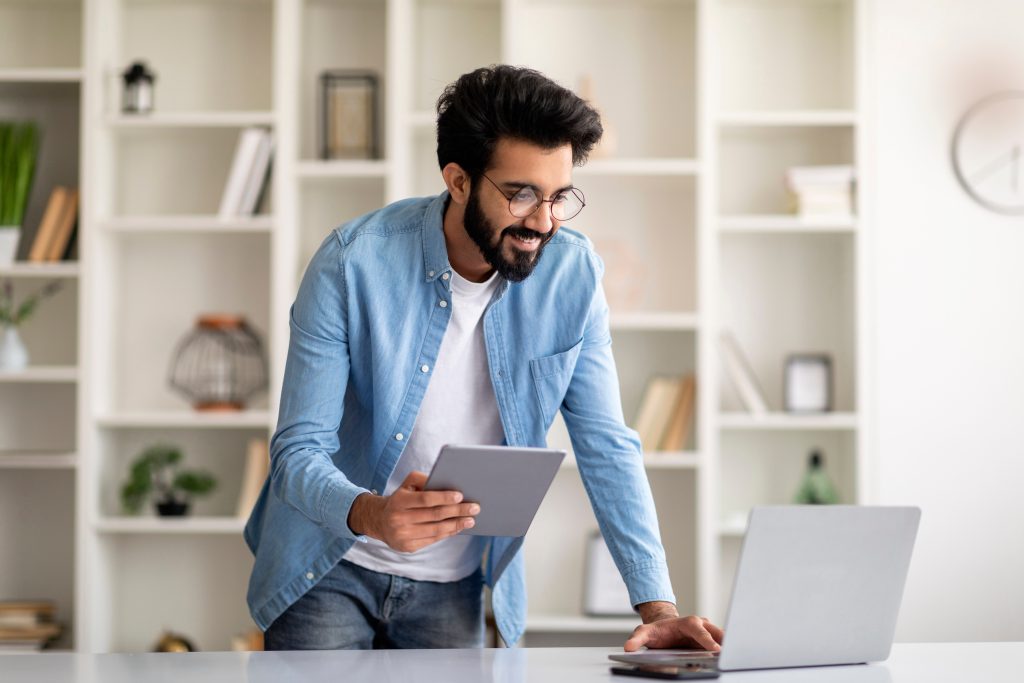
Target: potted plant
x=13, y=354
x=156, y=472
x=19, y=143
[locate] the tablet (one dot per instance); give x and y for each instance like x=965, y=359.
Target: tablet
x=508, y=483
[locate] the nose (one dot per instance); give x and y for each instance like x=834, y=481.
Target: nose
x=541, y=220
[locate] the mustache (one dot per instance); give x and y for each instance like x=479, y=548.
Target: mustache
x=525, y=233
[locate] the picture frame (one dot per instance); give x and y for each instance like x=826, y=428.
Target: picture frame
x=808, y=383
x=604, y=592
x=349, y=110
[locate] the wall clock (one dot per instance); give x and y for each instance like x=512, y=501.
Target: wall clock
x=988, y=151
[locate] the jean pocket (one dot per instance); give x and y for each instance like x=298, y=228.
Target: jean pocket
x=551, y=375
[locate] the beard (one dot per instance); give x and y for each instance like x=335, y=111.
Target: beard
x=482, y=231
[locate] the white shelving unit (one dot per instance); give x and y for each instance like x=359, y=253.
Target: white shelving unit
x=708, y=102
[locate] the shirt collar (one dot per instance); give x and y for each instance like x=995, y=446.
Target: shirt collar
x=435, y=252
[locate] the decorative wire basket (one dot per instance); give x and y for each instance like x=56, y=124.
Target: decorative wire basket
x=219, y=365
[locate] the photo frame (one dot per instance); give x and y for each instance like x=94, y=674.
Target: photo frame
x=604, y=592
x=808, y=383
x=349, y=109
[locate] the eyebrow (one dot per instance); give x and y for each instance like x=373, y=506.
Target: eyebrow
x=520, y=185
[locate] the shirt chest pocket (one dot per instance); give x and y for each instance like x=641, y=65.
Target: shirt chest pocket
x=551, y=375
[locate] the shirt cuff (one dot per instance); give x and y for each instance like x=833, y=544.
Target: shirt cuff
x=336, y=506
x=649, y=582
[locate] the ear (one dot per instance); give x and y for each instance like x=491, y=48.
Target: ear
x=457, y=181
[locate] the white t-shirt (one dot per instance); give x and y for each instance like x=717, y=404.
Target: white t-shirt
x=459, y=406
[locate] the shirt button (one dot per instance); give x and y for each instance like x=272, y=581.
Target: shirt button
x=373, y=491
x=442, y=303
x=444, y=276
x=430, y=273
x=309, y=575
x=399, y=436
x=424, y=368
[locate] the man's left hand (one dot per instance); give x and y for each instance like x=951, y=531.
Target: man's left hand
x=664, y=628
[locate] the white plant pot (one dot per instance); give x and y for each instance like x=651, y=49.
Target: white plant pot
x=13, y=354
x=9, y=235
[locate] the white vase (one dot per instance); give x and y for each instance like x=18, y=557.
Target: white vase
x=13, y=354
x=9, y=235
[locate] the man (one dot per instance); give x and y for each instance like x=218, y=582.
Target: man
x=465, y=318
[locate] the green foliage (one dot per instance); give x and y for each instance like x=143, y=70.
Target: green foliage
x=155, y=472
x=16, y=314
x=19, y=146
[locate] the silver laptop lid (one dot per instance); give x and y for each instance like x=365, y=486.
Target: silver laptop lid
x=818, y=584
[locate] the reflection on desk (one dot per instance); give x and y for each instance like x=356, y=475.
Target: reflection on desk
x=934, y=663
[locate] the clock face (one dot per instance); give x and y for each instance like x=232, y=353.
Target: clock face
x=988, y=152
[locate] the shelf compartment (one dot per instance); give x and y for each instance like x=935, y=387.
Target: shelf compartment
x=51, y=334
x=646, y=94
x=25, y=428
x=184, y=276
x=228, y=63
x=342, y=34
x=40, y=37
x=196, y=162
x=754, y=160
x=191, y=583
x=37, y=524
x=436, y=59
x=786, y=223
x=793, y=54
x=222, y=453
x=784, y=294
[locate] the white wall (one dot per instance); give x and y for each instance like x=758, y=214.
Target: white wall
x=948, y=302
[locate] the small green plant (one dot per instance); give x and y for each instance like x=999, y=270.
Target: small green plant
x=19, y=143
x=156, y=472
x=12, y=314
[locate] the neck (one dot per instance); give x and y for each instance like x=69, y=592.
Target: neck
x=463, y=254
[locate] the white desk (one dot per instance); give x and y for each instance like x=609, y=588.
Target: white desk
x=925, y=663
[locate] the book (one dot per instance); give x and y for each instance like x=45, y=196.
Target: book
x=737, y=367
x=655, y=411
x=65, y=226
x=678, y=430
x=25, y=615
x=257, y=466
x=48, y=224
x=241, y=166
x=259, y=175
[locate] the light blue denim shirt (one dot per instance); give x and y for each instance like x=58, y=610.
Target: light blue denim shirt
x=370, y=314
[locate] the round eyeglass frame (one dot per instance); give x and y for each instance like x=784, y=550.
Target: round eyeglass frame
x=540, y=202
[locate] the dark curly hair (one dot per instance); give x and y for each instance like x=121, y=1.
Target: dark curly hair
x=502, y=101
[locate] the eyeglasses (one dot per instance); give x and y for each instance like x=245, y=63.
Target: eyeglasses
x=525, y=201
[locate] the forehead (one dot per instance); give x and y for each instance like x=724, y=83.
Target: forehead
x=524, y=162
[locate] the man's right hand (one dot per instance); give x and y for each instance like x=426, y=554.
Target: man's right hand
x=411, y=518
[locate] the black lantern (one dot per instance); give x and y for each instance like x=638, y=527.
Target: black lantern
x=220, y=364
x=137, y=97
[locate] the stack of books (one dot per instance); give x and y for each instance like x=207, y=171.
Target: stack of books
x=816, y=191
x=27, y=626
x=741, y=374
x=250, y=174
x=666, y=413
x=55, y=238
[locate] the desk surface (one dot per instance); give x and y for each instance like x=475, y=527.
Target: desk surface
x=931, y=663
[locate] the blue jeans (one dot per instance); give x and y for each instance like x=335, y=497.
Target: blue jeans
x=353, y=608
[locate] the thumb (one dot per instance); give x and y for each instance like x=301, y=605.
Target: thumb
x=415, y=481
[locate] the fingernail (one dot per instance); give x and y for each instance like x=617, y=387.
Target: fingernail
x=474, y=509
x=457, y=497
x=468, y=523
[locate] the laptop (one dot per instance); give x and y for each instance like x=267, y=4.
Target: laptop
x=815, y=585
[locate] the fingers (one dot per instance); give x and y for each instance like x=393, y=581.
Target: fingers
x=679, y=632
x=415, y=481
x=704, y=639
x=642, y=635
x=423, y=515
x=716, y=633
x=437, y=530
